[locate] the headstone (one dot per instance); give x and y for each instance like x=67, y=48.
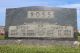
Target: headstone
x=42, y=22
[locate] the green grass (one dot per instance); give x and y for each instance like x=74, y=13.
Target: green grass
x=2, y=37
x=38, y=49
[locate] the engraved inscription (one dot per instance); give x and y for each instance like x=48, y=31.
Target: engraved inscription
x=41, y=30
x=40, y=14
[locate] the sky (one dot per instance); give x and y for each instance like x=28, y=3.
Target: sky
x=24, y=3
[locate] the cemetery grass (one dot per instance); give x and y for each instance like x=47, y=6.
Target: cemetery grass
x=2, y=37
x=38, y=49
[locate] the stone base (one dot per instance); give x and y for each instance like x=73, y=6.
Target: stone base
x=36, y=42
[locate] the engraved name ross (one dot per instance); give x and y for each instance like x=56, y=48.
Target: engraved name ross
x=40, y=14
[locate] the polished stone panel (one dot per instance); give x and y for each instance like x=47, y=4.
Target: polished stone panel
x=41, y=30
